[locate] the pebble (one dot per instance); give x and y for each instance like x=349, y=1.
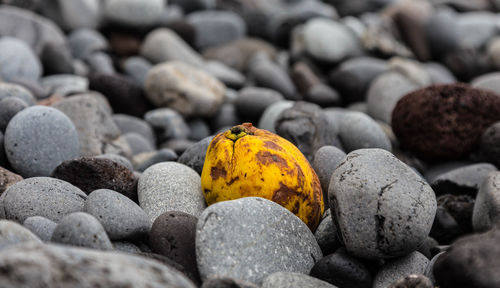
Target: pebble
x=11, y=234
x=184, y=88
x=18, y=61
x=71, y=15
x=413, y=280
x=13, y=90
x=269, y=117
x=127, y=123
x=487, y=203
x=342, y=270
x=173, y=235
x=170, y=186
x=213, y=28
x=460, y=207
x=100, y=63
x=429, y=123
x=394, y=210
x=226, y=282
x=168, y=124
x=35, y=197
x=117, y=159
x=194, y=156
x=268, y=74
x=83, y=42
x=146, y=160
x=9, y=107
x=137, y=143
x=126, y=247
x=56, y=59
x=133, y=13
x=94, y=268
x=225, y=74
x=199, y=129
x=251, y=102
x=3, y=157
x=488, y=144
x=137, y=68
x=326, y=234
x=7, y=179
x=38, y=139
x=64, y=84
x=291, y=279
x=82, y=230
x=41, y=227
x=89, y=174
x=121, y=217
x=413, y=263
x=462, y=180
x=326, y=159
x=487, y=82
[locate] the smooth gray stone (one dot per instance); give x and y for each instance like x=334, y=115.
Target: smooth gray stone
x=476, y=28
x=358, y=130
x=268, y=74
x=18, y=61
x=117, y=159
x=394, y=208
x=18, y=91
x=84, y=42
x=82, y=230
x=133, y=13
x=169, y=186
x=253, y=101
x=38, y=139
x=413, y=263
x=163, y=44
x=168, y=123
x=194, y=156
x=199, y=129
x=429, y=270
x=251, y=238
x=291, y=280
x=11, y=233
x=227, y=75
x=37, y=197
x=128, y=123
x=40, y=226
x=137, y=68
x=9, y=107
x=384, y=92
x=60, y=266
x=326, y=234
x=326, y=159
x=226, y=282
x=213, y=28
x=100, y=63
x=488, y=144
x=126, y=247
x=426, y=248
x=489, y=81
x=162, y=155
x=64, y=84
x=121, y=217
x=272, y=113
x=138, y=144
x=464, y=179
x=486, y=213
x=3, y=157
x=75, y=14
x=439, y=74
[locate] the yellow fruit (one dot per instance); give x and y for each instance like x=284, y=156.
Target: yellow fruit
x=245, y=161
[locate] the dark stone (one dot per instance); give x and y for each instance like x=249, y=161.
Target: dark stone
x=162, y=155
x=89, y=174
x=342, y=270
x=444, y=228
x=442, y=33
x=9, y=106
x=56, y=59
x=444, y=121
x=471, y=261
x=467, y=63
x=462, y=180
x=226, y=282
x=124, y=95
x=170, y=263
x=124, y=45
x=194, y=156
x=173, y=235
x=460, y=208
x=227, y=117
x=179, y=146
x=488, y=144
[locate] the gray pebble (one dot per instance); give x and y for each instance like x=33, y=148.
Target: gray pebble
x=486, y=213
x=227, y=75
x=65, y=84
x=394, y=207
x=18, y=61
x=194, y=156
x=71, y=15
x=84, y=42
x=137, y=143
x=488, y=144
x=11, y=233
x=128, y=123
x=413, y=281
x=199, y=129
x=413, y=263
x=120, y=216
x=137, y=68
x=271, y=114
x=42, y=196
x=117, y=159
x=168, y=124
x=126, y=247
x=18, y=91
x=251, y=238
x=462, y=180
x=252, y=101
x=41, y=227
x=292, y=279
x=100, y=63
x=213, y=28
x=82, y=230
x=38, y=139
x=268, y=74
x=326, y=235
x=429, y=270
x=133, y=13
x=9, y=107
x=227, y=117
x=326, y=159
x=170, y=186
x=162, y=155
x=439, y=74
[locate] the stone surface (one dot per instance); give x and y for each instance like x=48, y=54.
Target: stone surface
x=488, y=144
x=59, y=266
x=13, y=90
x=41, y=227
x=120, y=216
x=413, y=263
x=11, y=234
x=173, y=235
x=394, y=207
x=133, y=13
x=213, y=28
x=137, y=68
x=9, y=107
x=413, y=280
x=291, y=279
x=251, y=238
x=38, y=139
x=168, y=124
x=326, y=159
x=117, y=159
x=64, y=84
x=71, y=15
x=89, y=174
x=326, y=234
x=271, y=115
x=82, y=230
x=84, y=42
x=431, y=122
x=194, y=156
x=128, y=123
x=251, y=102
x=37, y=197
x=137, y=143
x=146, y=160
x=184, y=88
x=226, y=282
x=486, y=213
x=462, y=180
x=18, y=61
x=170, y=186
x=266, y=73
x=342, y=270
x=7, y=179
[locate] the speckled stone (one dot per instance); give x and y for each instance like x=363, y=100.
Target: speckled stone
x=251, y=238
x=82, y=230
x=120, y=216
x=486, y=213
x=394, y=207
x=9, y=107
x=11, y=233
x=413, y=281
x=169, y=186
x=40, y=226
x=38, y=139
x=18, y=60
x=7, y=179
x=292, y=279
x=13, y=90
x=413, y=263
x=42, y=196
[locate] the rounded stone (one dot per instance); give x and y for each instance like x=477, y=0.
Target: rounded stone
x=413, y=281
x=117, y=159
x=268, y=74
x=162, y=155
x=184, y=88
x=11, y=233
x=137, y=68
x=271, y=114
x=488, y=144
x=173, y=235
x=213, y=28
x=326, y=234
x=464, y=179
x=251, y=238
x=137, y=143
x=444, y=121
x=487, y=81
x=394, y=206
x=326, y=159
x=18, y=61
x=168, y=124
x=9, y=107
x=226, y=282
x=84, y=42
x=38, y=139
x=413, y=263
x=194, y=156
x=291, y=279
x=121, y=217
x=41, y=227
x=252, y=101
x=133, y=13
x=486, y=213
x=64, y=84
x=82, y=230
x=170, y=186
x=18, y=91
x=42, y=196
x=128, y=123
x=7, y=178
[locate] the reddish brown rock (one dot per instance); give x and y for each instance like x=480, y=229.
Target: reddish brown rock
x=7, y=179
x=444, y=121
x=89, y=174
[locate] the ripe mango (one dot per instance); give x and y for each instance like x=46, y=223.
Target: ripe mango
x=246, y=161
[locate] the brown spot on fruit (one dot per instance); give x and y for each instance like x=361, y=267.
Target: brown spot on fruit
x=296, y=207
x=266, y=158
x=272, y=145
x=233, y=180
x=284, y=193
x=218, y=171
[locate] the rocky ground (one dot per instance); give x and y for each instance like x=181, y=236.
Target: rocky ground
x=107, y=108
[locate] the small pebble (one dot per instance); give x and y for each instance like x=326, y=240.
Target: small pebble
x=41, y=227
